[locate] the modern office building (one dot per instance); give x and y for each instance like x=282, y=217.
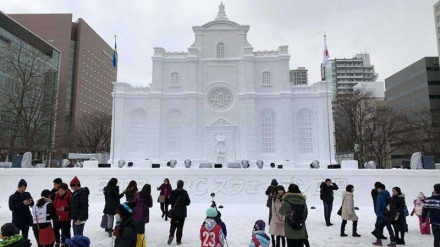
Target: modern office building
x=437, y=24
x=86, y=74
x=414, y=88
x=29, y=70
x=299, y=76
x=344, y=73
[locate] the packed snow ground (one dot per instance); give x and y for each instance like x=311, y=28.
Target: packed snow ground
x=239, y=219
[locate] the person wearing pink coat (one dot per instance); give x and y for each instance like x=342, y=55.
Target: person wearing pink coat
x=276, y=225
x=418, y=208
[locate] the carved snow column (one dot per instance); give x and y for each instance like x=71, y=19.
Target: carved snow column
x=247, y=108
x=190, y=127
x=155, y=107
x=326, y=125
x=117, y=149
x=286, y=104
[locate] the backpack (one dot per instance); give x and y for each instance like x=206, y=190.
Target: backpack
x=296, y=218
x=418, y=209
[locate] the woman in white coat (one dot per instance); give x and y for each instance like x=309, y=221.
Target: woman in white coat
x=348, y=212
x=276, y=225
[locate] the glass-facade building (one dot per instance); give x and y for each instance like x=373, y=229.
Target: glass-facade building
x=29, y=72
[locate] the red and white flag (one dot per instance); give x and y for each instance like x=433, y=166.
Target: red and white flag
x=326, y=55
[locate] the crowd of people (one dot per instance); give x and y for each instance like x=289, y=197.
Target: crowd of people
x=57, y=211
x=391, y=211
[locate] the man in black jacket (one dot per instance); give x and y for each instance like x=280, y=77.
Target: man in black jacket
x=327, y=189
x=79, y=209
x=179, y=200
x=56, y=184
x=20, y=203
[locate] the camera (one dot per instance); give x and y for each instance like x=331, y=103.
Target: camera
x=214, y=205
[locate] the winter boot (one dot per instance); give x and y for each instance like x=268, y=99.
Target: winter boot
x=343, y=224
x=170, y=240
x=355, y=234
x=392, y=244
x=377, y=243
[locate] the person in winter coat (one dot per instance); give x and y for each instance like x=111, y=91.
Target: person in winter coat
x=79, y=209
x=144, y=202
x=374, y=194
x=326, y=195
x=56, y=184
x=211, y=233
x=127, y=233
x=397, y=215
x=179, y=200
x=165, y=191
x=295, y=238
x=348, y=212
x=270, y=192
x=381, y=204
x=20, y=203
x=131, y=191
x=418, y=210
x=112, y=201
x=276, y=226
x=43, y=213
x=78, y=241
x=432, y=208
x=259, y=237
x=11, y=238
x=63, y=199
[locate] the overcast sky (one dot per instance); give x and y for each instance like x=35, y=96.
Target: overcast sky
x=396, y=33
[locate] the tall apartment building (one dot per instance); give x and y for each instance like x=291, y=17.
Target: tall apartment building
x=29, y=70
x=414, y=88
x=86, y=73
x=437, y=24
x=344, y=73
x=299, y=76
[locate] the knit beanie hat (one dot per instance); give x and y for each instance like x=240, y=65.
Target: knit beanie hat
x=259, y=225
x=75, y=181
x=421, y=196
x=9, y=230
x=293, y=188
x=125, y=209
x=211, y=212
x=22, y=183
x=274, y=182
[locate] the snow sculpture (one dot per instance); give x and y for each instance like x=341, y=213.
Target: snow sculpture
x=416, y=161
x=121, y=163
x=173, y=163
x=26, y=162
x=188, y=163
x=315, y=164
x=260, y=164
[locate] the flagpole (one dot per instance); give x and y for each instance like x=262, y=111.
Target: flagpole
x=114, y=114
x=327, y=94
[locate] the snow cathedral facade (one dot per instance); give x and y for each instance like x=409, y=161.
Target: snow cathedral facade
x=222, y=102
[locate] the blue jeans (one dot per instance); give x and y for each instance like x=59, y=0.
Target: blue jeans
x=77, y=229
x=328, y=207
x=436, y=233
x=380, y=223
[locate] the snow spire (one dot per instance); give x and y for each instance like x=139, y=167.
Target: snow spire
x=221, y=15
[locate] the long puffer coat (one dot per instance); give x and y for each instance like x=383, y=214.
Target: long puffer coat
x=348, y=212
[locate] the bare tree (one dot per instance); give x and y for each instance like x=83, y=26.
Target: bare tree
x=92, y=133
x=383, y=124
x=28, y=97
x=422, y=133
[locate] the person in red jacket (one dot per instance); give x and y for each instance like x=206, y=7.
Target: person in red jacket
x=62, y=205
x=211, y=233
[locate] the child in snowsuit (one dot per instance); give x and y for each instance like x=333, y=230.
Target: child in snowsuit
x=259, y=237
x=418, y=208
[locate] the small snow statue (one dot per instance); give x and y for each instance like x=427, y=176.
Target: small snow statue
x=245, y=164
x=370, y=164
x=416, y=161
x=314, y=164
x=26, y=162
x=188, y=163
x=65, y=163
x=121, y=163
x=173, y=163
x=260, y=164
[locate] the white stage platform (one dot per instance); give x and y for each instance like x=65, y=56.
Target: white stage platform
x=230, y=185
